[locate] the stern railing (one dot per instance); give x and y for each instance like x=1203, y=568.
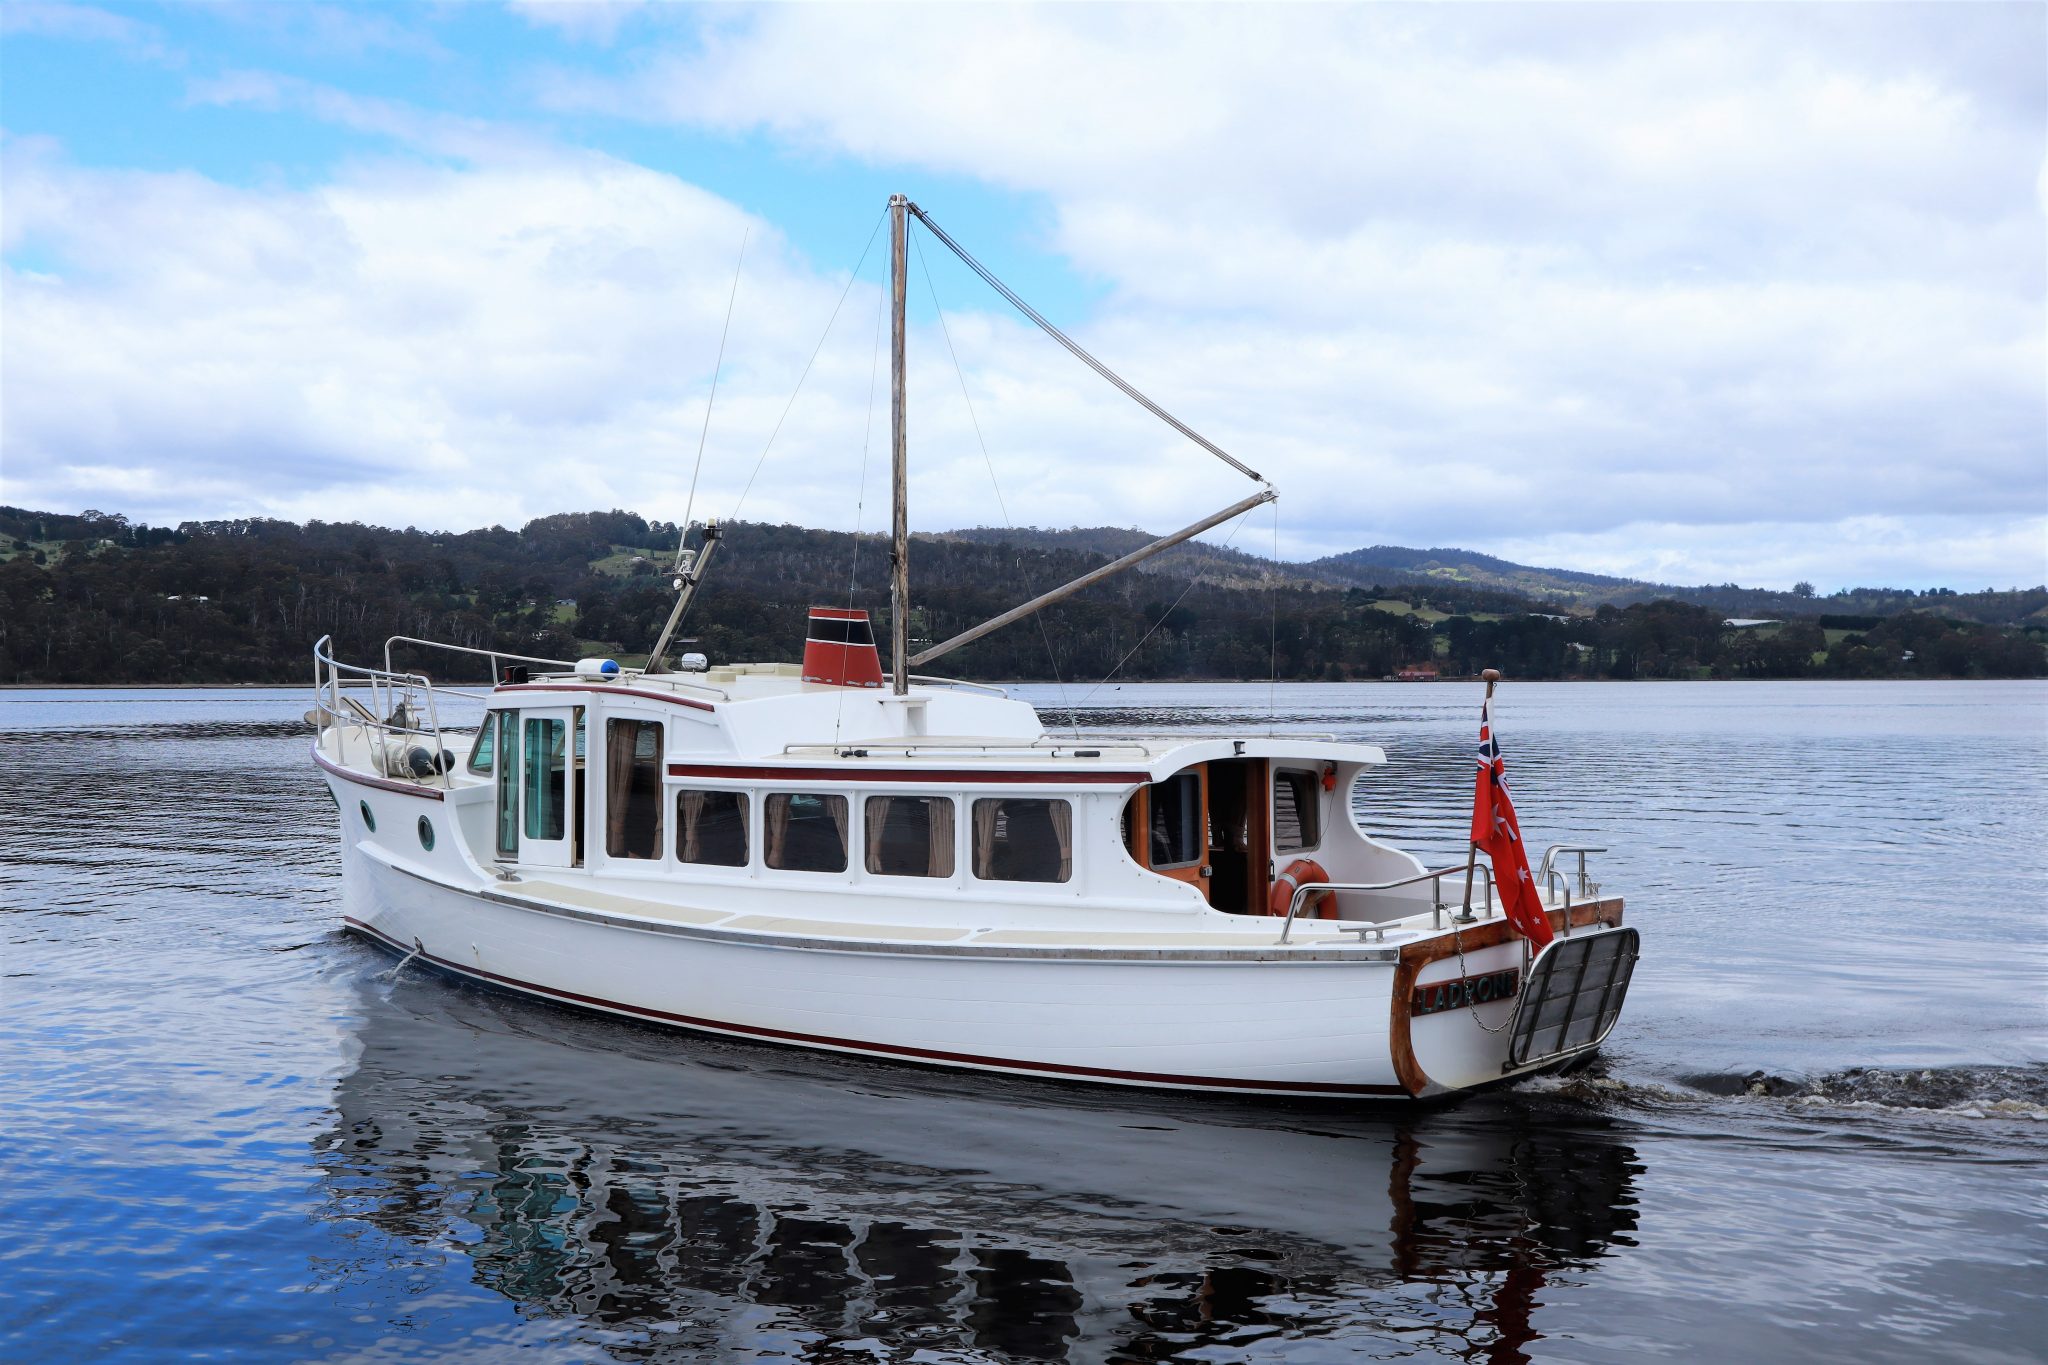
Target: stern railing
x=1436, y=897
x=1557, y=882
x=1560, y=886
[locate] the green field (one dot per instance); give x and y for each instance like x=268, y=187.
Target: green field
x=619, y=563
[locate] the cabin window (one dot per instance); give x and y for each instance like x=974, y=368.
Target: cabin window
x=426, y=828
x=508, y=787
x=1297, y=810
x=910, y=836
x=711, y=828
x=486, y=746
x=369, y=820
x=547, y=779
x=1177, y=837
x=632, y=788
x=806, y=832
x=1023, y=839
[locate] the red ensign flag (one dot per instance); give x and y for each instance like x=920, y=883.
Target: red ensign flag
x=1495, y=830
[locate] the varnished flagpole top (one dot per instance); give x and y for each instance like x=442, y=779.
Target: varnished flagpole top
x=1492, y=676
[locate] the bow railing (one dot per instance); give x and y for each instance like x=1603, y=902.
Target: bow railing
x=402, y=714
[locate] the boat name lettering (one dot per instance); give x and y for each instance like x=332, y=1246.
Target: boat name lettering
x=1439, y=996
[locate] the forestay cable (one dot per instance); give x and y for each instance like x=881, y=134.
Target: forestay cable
x=717, y=369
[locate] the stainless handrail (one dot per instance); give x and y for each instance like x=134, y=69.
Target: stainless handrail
x=388, y=691
x=931, y=681
x=1435, y=879
x=492, y=654
x=565, y=665
x=1546, y=873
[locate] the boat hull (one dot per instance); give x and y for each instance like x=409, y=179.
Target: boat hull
x=1313, y=1027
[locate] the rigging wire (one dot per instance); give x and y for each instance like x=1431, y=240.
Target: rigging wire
x=1237, y=526
x=826, y=334
x=1273, y=628
x=716, y=370
x=860, y=499
x=1075, y=348
x=1052, y=657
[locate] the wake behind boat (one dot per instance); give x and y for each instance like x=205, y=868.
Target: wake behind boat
x=915, y=868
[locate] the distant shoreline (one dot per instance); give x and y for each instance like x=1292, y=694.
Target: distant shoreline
x=1045, y=682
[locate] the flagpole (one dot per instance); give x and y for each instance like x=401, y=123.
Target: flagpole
x=1492, y=676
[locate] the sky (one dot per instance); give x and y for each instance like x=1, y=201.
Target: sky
x=1692, y=293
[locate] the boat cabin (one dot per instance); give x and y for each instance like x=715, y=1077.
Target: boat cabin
x=718, y=781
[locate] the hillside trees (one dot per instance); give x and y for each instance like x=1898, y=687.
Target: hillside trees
x=242, y=600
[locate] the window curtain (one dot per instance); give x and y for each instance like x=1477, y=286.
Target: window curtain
x=880, y=809
x=939, y=835
x=777, y=831
x=621, y=739
x=1063, y=830
x=985, y=815
x=690, y=814
x=840, y=807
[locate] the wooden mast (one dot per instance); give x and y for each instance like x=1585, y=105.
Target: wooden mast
x=899, y=544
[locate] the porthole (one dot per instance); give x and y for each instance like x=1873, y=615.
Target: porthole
x=426, y=834
x=369, y=820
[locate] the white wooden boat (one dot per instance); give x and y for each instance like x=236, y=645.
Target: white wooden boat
x=910, y=868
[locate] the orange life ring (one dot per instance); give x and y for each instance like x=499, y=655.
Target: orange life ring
x=1300, y=872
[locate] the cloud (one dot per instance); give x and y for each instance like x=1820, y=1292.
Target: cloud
x=430, y=345
x=440, y=134
x=583, y=21
x=1584, y=268
x=1645, y=290
x=330, y=30
x=84, y=23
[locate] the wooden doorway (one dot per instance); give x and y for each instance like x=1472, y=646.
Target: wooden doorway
x=1207, y=825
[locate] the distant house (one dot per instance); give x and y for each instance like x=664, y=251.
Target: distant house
x=1417, y=673
x=1746, y=622
x=565, y=601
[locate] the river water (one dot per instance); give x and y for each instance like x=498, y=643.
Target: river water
x=227, y=1133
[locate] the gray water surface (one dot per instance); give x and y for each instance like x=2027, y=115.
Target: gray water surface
x=226, y=1133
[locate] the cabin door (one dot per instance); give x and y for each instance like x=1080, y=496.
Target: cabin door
x=538, y=800
x=1168, y=827
x=1238, y=854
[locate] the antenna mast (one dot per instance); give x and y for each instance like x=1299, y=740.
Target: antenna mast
x=899, y=545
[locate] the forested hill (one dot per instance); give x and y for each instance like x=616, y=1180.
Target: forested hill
x=94, y=598
x=1566, y=588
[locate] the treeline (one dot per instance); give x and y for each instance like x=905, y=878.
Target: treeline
x=93, y=598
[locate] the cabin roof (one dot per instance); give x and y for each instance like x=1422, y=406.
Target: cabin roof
x=767, y=716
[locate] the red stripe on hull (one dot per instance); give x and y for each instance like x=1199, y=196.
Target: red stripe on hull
x=381, y=783
x=615, y=691
x=892, y=1050
x=856, y=773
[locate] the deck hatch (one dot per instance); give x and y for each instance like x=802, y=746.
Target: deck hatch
x=1574, y=994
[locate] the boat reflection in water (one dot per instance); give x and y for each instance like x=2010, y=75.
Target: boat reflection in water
x=677, y=1198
